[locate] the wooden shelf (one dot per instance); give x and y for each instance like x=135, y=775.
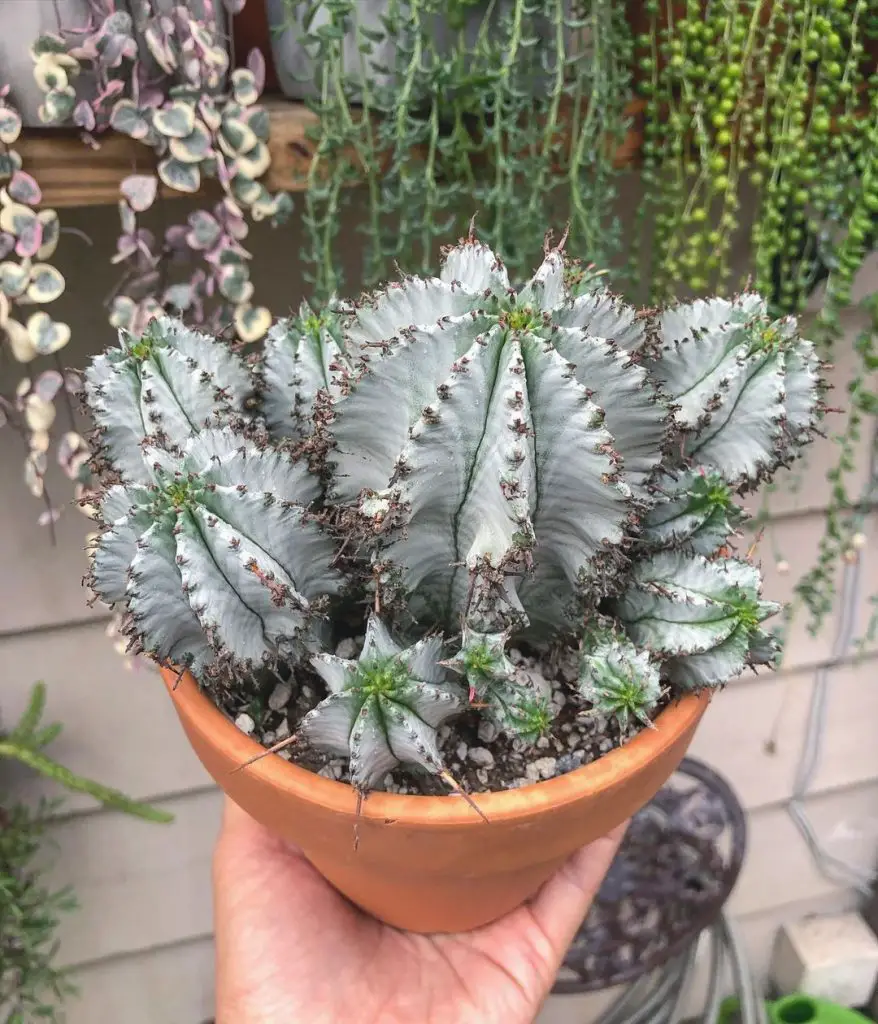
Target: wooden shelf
x=72, y=173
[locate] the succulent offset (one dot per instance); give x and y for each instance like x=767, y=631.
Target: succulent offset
x=483, y=467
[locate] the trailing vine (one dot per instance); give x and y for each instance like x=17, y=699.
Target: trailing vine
x=29, y=236
x=163, y=78
x=445, y=110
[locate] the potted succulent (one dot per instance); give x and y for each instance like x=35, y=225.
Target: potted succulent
x=462, y=543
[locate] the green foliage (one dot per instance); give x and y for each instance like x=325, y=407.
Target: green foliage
x=31, y=985
x=26, y=742
x=457, y=452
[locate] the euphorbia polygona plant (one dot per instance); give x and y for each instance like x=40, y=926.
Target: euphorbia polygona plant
x=471, y=467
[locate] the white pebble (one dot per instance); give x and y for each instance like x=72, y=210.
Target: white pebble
x=245, y=723
x=559, y=699
x=545, y=766
x=538, y=681
x=388, y=780
x=568, y=670
x=347, y=648
x=482, y=776
x=573, y=740
x=444, y=733
x=282, y=731
x=307, y=692
x=482, y=757
x=487, y=731
x=605, y=746
x=327, y=772
x=531, y=771
x=543, y=743
x=268, y=738
x=280, y=696
x=461, y=750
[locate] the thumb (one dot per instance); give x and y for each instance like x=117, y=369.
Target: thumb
x=561, y=905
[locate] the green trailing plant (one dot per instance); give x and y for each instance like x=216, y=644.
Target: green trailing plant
x=32, y=987
x=480, y=465
x=444, y=108
x=26, y=744
x=767, y=108
x=29, y=236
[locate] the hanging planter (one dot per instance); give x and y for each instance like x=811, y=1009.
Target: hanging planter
x=22, y=22
x=45, y=50
x=456, y=29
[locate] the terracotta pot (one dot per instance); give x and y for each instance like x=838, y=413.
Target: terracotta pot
x=431, y=864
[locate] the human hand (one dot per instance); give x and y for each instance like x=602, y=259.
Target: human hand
x=291, y=950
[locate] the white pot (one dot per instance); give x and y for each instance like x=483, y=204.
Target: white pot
x=296, y=68
x=22, y=21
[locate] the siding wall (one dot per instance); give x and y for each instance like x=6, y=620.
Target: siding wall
x=141, y=941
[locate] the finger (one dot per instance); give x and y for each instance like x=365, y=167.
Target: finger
x=561, y=905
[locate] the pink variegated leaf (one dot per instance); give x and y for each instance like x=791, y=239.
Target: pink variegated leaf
x=84, y=116
x=126, y=247
x=256, y=64
x=128, y=218
x=47, y=385
x=140, y=190
x=24, y=189
x=30, y=239
x=175, y=236
x=48, y=516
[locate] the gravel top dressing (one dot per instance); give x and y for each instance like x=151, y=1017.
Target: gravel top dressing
x=474, y=751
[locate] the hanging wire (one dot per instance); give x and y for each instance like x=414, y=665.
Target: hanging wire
x=833, y=868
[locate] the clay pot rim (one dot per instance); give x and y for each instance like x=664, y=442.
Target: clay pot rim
x=605, y=773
